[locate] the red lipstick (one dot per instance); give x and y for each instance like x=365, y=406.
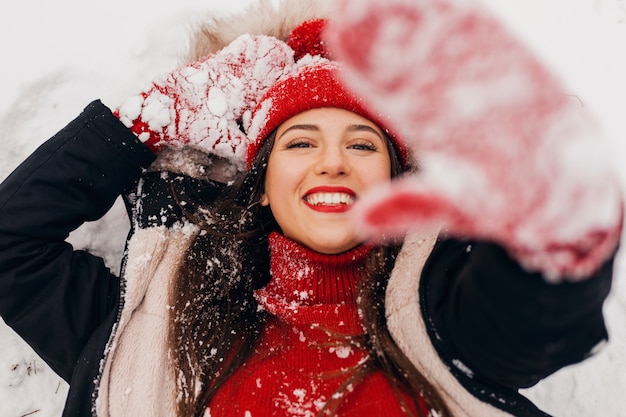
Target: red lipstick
x=329, y=199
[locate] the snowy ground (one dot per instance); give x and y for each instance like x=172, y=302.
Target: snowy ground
x=57, y=56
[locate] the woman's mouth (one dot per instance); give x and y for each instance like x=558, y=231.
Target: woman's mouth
x=330, y=199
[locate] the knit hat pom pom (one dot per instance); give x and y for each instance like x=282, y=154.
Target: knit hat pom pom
x=306, y=38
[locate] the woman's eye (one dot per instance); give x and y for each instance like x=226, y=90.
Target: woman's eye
x=298, y=144
x=364, y=146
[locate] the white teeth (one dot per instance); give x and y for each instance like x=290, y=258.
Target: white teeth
x=329, y=199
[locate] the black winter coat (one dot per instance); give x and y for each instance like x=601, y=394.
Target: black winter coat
x=509, y=326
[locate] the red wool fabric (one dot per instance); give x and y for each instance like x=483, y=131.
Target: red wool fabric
x=303, y=357
x=312, y=87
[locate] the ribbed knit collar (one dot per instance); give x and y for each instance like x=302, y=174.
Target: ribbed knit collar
x=303, y=277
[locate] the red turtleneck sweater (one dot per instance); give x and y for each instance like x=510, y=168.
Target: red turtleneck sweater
x=303, y=357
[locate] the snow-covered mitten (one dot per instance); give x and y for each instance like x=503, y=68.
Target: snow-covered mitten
x=205, y=103
x=507, y=155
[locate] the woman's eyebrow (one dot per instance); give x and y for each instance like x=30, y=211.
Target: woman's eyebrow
x=364, y=128
x=310, y=127
x=350, y=128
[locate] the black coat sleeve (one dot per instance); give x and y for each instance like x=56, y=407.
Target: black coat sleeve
x=509, y=327
x=52, y=296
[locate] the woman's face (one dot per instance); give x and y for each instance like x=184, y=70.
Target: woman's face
x=322, y=161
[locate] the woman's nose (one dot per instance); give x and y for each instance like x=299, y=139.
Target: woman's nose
x=332, y=161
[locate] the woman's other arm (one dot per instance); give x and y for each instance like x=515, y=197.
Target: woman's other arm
x=51, y=295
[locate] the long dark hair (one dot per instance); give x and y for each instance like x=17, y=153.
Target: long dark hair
x=215, y=320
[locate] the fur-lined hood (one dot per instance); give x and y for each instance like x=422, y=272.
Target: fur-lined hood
x=259, y=18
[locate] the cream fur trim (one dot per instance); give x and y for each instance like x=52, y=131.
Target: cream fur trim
x=407, y=327
x=259, y=18
x=138, y=378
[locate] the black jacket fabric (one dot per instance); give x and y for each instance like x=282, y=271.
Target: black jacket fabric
x=499, y=328
x=63, y=302
x=509, y=327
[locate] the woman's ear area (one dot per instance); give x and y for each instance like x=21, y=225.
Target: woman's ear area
x=265, y=201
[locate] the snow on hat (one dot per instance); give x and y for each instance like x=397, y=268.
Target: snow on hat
x=315, y=83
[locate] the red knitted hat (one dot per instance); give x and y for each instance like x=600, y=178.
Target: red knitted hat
x=311, y=86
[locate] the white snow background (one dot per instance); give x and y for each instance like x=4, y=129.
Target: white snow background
x=57, y=56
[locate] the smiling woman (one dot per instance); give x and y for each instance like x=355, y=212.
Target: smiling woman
x=245, y=288
x=322, y=161
x=305, y=172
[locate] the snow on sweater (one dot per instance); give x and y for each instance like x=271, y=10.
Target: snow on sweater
x=305, y=353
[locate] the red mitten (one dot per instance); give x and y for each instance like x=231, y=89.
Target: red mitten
x=204, y=104
x=507, y=155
